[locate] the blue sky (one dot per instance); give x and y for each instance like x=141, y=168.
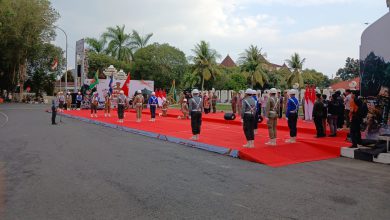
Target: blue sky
x=325, y=32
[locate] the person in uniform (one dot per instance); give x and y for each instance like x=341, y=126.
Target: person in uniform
x=214, y=99
x=165, y=105
x=272, y=112
x=318, y=110
x=248, y=115
x=53, y=112
x=333, y=112
x=107, y=104
x=324, y=112
x=184, y=110
x=196, y=109
x=206, y=103
x=256, y=121
x=281, y=99
x=94, y=104
x=61, y=101
x=292, y=115
x=121, y=106
x=138, y=104
x=153, y=102
x=68, y=101
x=234, y=102
x=79, y=98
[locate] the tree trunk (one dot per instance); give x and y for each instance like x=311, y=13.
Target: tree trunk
x=22, y=77
x=252, y=78
x=202, y=83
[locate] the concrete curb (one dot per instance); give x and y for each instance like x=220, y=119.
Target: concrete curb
x=189, y=143
x=383, y=158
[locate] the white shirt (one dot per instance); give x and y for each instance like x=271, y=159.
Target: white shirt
x=347, y=102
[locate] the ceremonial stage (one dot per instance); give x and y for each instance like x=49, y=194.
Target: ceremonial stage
x=227, y=137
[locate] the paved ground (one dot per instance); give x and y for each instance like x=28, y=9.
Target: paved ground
x=77, y=170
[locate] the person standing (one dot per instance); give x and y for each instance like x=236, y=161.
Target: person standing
x=121, y=101
x=272, y=112
x=281, y=100
x=94, y=104
x=165, y=105
x=138, y=105
x=234, y=103
x=53, y=112
x=264, y=101
x=61, y=101
x=107, y=104
x=340, y=111
x=347, y=104
x=68, y=101
x=214, y=99
x=256, y=121
x=206, y=103
x=153, y=102
x=79, y=98
x=356, y=119
x=196, y=109
x=292, y=115
x=333, y=111
x=318, y=110
x=248, y=113
x=325, y=111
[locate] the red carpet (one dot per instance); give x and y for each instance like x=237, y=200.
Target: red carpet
x=218, y=132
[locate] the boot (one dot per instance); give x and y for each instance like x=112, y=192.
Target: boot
x=91, y=115
x=274, y=141
x=193, y=137
x=247, y=145
x=293, y=140
x=197, y=137
x=105, y=115
x=95, y=115
x=269, y=142
x=252, y=144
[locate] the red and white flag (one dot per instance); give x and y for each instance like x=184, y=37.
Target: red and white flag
x=126, y=86
x=55, y=64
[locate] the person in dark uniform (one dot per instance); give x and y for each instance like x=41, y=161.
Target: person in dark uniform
x=257, y=113
x=292, y=115
x=196, y=109
x=318, y=110
x=248, y=113
x=356, y=119
x=53, y=112
x=333, y=112
x=325, y=111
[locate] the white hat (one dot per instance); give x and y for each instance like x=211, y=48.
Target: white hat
x=184, y=100
x=139, y=91
x=248, y=91
x=195, y=91
x=273, y=91
x=153, y=93
x=122, y=92
x=292, y=92
x=254, y=92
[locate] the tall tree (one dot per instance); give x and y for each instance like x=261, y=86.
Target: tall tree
x=139, y=41
x=350, y=70
x=295, y=63
x=205, y=63
x=253, y=65
x=119, y=45
x=97, y=45
x=23, y=25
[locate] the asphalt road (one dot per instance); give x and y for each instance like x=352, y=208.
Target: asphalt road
x=77, y=170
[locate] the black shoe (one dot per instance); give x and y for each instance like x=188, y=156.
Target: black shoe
x=353, y=146
x=54, y=123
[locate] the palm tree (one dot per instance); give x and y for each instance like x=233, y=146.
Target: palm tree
x=296, y=64
x=119, y=43
x=253, y=65
x=97, y=45
x=139, y=41
x=205, y=61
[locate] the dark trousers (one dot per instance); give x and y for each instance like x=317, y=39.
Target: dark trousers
x=206, y=110
x=249, y=122
x=196, y=122
x=319, y=126
x=93, y=108
x=346, y=116
x=53, y=116
x=292, y=124
x=121, y=109
x=153, y=111
x=256, y=121
x=354, y=132
x=281, y=111
x=340, y=121
x=78, y=104
x=332, y=120
x=214, y=108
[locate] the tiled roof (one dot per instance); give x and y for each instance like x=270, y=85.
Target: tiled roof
x=345, y=84
x=228, y=62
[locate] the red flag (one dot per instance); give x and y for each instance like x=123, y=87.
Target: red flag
x=307, y=93
x=55, y=64
x=159, y=93
x=164, y=94
x=313, y=93
x=126, y=86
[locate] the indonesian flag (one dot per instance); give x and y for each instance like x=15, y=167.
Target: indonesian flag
x=126, y=86
x=55, y=64
x=164, y=94
x=307, y=94
x=313, y=93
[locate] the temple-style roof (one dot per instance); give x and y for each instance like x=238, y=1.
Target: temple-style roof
x=228, y=62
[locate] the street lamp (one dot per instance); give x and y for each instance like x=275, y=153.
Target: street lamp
x=66, y=57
